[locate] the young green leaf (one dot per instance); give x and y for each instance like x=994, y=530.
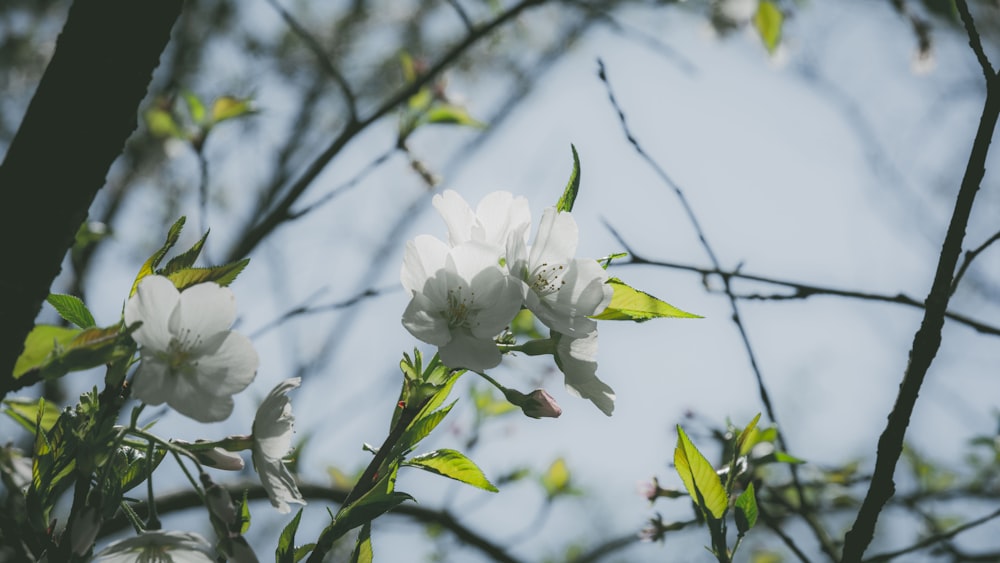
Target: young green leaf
x=700, y=478
x=421, y=428
x=556, y=479
x=28, y=413
x=451, y=114
x=149, y=267
x=230, y=107
x=743, y=446
x=572, y=187
x=161, y=123
x=285, y=552
x=72, y=309
x=454, y=465
x=42, y=342
x=186, y=259
x=245, y=514
x=222, y=275
x=136, y=467
x=746, y=510
x=630, y=304
x=363, y=548
x=768, y=21
x=195, y=107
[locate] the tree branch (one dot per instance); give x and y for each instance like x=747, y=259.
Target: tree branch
x=927, y=339
x=77, y=123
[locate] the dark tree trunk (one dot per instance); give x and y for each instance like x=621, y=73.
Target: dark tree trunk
x=76, y=125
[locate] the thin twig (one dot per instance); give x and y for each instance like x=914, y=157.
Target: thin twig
x=969, y=257
x=346, y=186
x=466, y=20
x=770, y=522
x=307, y=310
x=321, y=56
x=280, y=212
x=977, y=45
x=937, y=538
x=800, y=290
x=734, y=307
x=186, y=500
x=927, y=339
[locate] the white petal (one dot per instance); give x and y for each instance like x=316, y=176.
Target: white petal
x=203, y=311
x=159, y=546
x=457, y=215
x=226, y=363
x=424, y=256
x=496, y=308
x=426, y=323
x=500, y=214
x=576, y=358
x=200, y=404
x=469, y=352
x=153, y=302
x=153, y=382
x=472, y=258
x=278, y=482
x=272, y=425
x=556, y=240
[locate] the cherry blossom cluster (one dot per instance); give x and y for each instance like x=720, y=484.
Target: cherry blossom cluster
x=193, y=362
x=466, y=291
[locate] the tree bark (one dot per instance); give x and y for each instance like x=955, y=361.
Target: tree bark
x=76, y=125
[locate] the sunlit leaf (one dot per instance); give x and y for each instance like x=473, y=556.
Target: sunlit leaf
x=451, y=114
x=161, y=123
x=630, y=304
x=746, y=510
x=285, y=552
x=421, y=428
x=26, y=412
x=42, y=342
x=195, y=107
x=363, y=548
x=768, y=21
x=88, y=348
x=700, y=478
x=245, y=517
x=454, y=465
x=222, y=275
x=72, y=309
x=572, y=187
x=557, y=479
x=137, y=468
x=149, y=267
x=186, y=259
x=743, y=443
x=230, y=107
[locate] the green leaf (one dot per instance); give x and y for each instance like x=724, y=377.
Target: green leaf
x=195, y=107
x=161, y=123
x=556, y=479
x=26, y=413
x=185, y=259
x=742, y=444
x=451, y=114
x=572, y=187
x=245, y=514
x=149, y=267
x=72, y=309
x=230, y=107
x=454, y=465
x=42, y=342
x=376, y=502
x=222, y=275
x=136, y=468
x=768, y=21
x=285, y=552
x=630, y=304
x=700, y=478
x=421, y=428
x=363, y=548
x=746, y=510
x=88, y=348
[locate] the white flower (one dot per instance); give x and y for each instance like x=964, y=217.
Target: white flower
x=560, y=290
x=461, y=299
x=190, y=358
x=498, y=216
x=577, y=359
x=272, y=440
x=159, y=547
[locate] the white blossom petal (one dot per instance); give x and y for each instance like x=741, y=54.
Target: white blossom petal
x=577, y=359
x=424, y=321
x=191, y=361
x=469, y=352
x=159, y=547
x=424, y=256
x=272, y=440
x=457, y=215
x=556, y=240
x=155, y=298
